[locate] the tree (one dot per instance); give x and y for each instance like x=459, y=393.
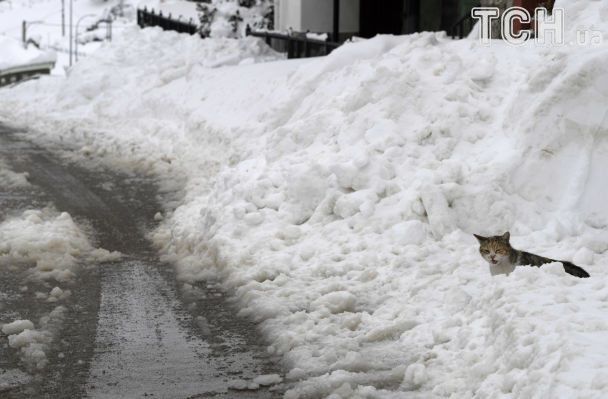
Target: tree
x=207, y=12
x=256, y=13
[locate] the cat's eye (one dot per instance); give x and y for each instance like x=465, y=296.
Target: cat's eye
x=501, y=252
x=484, y=251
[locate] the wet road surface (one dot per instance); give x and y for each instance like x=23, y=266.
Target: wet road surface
x=129, y=331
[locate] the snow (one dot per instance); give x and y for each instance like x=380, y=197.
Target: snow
x=17, y=326
x=52, y=242
x=44, y=18
x=13, y=378
x=10, y=179
x=14, y=54
x=222, y=24
x=256, y=383
x=317, y=36
x=33, y=344
x=267, y=379
x=336, y=198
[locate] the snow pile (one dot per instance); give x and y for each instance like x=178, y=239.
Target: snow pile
x=50, y=240
x=13, y=54
x=52, y=247
x=44, y=27
x=10, y=179
x=33, y=344
x=17, y=327
x=255, y=383
x=337, y=198
x=584, y=16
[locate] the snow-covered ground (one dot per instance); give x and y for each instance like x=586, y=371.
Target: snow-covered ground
x=14, y=54
x=48, y=249
x=47, y=28
x=51, y=241
x=337, y=197
x=10, y=179
x=48, y=22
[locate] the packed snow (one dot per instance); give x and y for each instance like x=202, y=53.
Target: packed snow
x=336, y=198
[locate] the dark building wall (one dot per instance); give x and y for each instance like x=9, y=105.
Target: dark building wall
x=408, y=16
x=377, y=17
x=430, y=15
x=436, y=15
x=411, y=16
x=466, y=6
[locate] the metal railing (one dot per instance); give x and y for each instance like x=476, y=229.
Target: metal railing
x=22, y=72
x=296, y=45
x=147, y=17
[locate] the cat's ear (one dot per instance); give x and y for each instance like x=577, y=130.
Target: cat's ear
x=506, y=236
x=480, y=238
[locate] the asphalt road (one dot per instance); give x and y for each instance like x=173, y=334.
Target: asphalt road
x=130, y=332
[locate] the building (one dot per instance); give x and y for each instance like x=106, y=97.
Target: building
x=339, y=20
x=367, y=18
x=529, y=5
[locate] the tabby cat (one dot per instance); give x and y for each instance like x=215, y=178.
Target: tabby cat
x=503, y=258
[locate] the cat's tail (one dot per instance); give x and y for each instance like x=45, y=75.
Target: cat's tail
x=575, y=270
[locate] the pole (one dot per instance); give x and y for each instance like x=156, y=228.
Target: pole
x=76, y=35
x=108, y=22
x=71, y=29
x=63, y=18
x=23, y=33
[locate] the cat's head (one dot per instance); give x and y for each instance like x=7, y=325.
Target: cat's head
x=494, y=249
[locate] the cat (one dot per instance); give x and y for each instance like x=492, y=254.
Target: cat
x=503, y=258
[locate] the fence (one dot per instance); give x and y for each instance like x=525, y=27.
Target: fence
x=16, y=74
x=150, y=18
x=296, y=45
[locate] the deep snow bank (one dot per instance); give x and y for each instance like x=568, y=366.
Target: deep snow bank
x=336, y=196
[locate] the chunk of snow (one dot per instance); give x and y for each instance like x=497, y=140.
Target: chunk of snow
x=267, y=379
x=17, y=326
